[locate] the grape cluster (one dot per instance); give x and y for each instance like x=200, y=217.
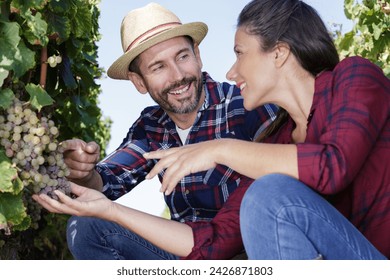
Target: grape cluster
x=54, y=60
x=31, y=143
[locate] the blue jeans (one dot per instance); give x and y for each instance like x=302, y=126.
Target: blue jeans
x=95, y=239
x=281, y=218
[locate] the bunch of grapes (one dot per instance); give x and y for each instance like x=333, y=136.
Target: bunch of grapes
x=54, y=60
x=31, y=143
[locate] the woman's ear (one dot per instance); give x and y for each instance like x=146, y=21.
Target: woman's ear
x=282, y=52
x=138, y=82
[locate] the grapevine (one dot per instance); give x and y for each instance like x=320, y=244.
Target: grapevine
x=48, y=61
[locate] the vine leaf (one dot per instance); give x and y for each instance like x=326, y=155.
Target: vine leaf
x=9, y=40
x=6, y=97
x=38, y=96
x=36, y=33
x=3, y=74
x=9, y=180
x=14, y=53
x=12, y=211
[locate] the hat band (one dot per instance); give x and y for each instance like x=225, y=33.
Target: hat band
x=154, y=32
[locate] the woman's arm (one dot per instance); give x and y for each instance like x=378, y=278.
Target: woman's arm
x=248, y=158
x=172, y=236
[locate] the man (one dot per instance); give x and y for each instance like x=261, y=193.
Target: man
x=161, y=57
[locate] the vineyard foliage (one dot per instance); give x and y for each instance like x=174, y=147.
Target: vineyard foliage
x=370, y=35
x=48, y=61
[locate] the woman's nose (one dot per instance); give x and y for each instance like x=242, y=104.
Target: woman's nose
x=231, y=74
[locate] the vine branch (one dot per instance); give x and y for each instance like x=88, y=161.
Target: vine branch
x=42, y=80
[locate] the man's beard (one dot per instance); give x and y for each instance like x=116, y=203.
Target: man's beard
x=188, y=105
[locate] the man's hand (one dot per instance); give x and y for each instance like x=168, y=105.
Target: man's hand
x=80, y=158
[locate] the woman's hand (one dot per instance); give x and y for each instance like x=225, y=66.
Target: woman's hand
x=182, y=161
x=89, y=202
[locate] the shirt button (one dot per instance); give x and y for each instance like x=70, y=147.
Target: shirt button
x=187, y=191
x=197, y=213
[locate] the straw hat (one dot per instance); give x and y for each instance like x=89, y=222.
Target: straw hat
x=147, y=26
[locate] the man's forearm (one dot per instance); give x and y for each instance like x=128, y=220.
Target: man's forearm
x=94, y=181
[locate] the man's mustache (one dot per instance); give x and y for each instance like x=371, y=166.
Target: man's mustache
x=177, y=84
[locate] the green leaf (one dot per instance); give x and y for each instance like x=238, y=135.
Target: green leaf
x=25, y=5
x=82, y=22
x=377, y=31
x=59, y=7
x=36, y=33
x=6, y=97
x=9, y=34
x=3, y=75
x=348, y=4
x=3, y=223
x=58, y=24
x=24, y=224
x=347, y=40
x=12, y=210
x=9, y=40
x=8, y=176
x=24, y=60
x=38, y=96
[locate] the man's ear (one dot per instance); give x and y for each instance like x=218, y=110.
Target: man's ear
x=197, y=55
x=138, y=82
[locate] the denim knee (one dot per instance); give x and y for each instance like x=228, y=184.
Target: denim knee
x=79, y=230
x=267, y=187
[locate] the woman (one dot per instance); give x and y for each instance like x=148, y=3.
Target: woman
x=323, y=167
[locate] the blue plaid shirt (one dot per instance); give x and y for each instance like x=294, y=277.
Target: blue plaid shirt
x=199, y=196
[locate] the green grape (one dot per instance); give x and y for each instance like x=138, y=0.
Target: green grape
x=31, y=144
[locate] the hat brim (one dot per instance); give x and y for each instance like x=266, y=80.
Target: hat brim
x=120, y=68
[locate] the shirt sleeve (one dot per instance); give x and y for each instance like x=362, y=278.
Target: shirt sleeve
x=221, y=237
x=126, y=167
x=264, y=116
x=348, y=125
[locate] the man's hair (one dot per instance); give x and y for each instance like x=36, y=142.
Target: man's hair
x=134, y=64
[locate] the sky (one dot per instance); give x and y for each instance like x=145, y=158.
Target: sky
x=121, y=102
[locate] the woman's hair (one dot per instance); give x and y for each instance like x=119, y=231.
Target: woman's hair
x=300, y=27
x=295, y=23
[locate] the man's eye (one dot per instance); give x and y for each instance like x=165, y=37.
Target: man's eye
x=156, y=68
x=182, y=57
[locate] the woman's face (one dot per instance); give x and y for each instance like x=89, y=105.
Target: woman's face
x=254, y=70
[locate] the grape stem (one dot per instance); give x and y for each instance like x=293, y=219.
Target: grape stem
x=42, y=81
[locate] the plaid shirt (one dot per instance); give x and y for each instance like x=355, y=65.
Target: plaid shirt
x=346, y=153
x=198, y=198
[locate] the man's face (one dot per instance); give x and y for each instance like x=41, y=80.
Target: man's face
x=171, y=71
